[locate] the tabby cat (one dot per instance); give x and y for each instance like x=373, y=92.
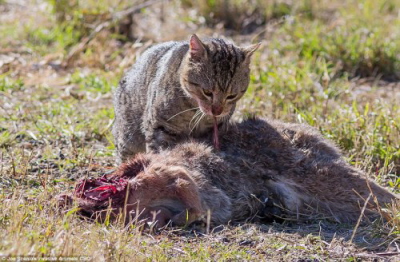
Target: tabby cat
x=177, y=90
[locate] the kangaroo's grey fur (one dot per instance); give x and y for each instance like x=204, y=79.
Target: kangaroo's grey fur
x=260, y=161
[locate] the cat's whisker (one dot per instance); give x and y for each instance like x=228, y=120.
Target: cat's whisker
x=194, y=120
x=194, y=126
x=194, y=117
x=183, y=112
x=226, y=120
x=197, y=122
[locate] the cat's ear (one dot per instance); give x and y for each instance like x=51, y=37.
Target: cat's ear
x=196, y=48
x=249, y=50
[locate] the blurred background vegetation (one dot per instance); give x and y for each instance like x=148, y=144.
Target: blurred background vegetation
x=332, y=64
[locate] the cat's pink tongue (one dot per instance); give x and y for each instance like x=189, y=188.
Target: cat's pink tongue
x=215, y=134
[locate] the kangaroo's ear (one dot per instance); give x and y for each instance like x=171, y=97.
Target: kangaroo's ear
x=249, y=51
x=197, y=50
x=133, y=167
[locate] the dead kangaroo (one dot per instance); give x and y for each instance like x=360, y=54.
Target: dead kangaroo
x=260, y=162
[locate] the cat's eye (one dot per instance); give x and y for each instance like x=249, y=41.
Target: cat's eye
x=231, y=97
x=207, y=92
x=194, y=84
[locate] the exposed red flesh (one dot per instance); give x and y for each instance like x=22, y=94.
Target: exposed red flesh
x=215, y=134
x=101, y=189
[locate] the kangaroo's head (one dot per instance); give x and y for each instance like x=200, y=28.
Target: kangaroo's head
x=144, y=190
x=163, y=194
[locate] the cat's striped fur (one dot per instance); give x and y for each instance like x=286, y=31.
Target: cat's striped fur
x=174, y=91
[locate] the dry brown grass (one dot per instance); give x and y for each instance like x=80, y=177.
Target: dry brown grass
x=54, y=120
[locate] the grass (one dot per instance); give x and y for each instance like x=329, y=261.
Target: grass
x=333, y=65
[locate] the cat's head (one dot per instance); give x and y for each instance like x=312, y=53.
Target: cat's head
x=216, y=74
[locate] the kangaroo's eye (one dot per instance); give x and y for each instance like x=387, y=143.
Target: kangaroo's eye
x=207, y=92
x=231, y=97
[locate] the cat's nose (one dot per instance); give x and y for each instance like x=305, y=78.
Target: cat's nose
x=216, y=110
